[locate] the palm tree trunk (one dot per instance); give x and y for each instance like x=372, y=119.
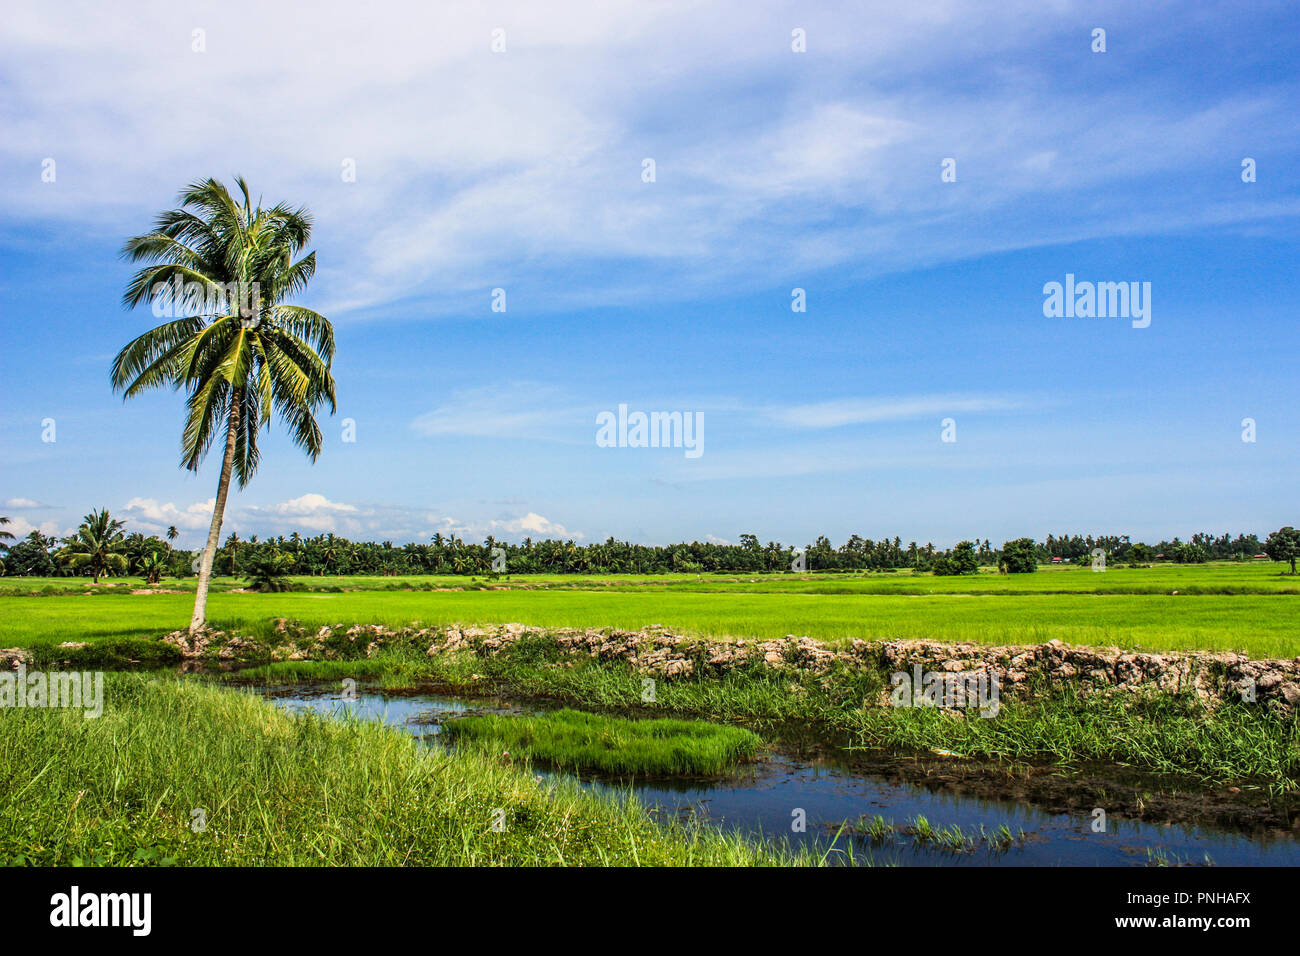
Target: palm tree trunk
x=214, y=530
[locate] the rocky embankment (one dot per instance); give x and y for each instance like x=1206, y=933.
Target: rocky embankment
x=1021, y=670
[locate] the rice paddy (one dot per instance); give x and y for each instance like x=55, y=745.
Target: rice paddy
x=1251, y=608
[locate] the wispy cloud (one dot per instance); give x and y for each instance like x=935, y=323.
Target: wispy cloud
x=22, y=503
x=314, y=512
x=859, y=411
x=802, y=162
x=506, y=410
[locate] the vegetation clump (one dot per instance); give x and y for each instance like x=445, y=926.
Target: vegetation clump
x=1019, y=556
x=925, y=835
x=962, y=559
x=269, y=574
x=1284, y=545
x=574, y=740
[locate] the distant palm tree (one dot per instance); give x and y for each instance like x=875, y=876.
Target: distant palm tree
x=152, y=566
x=330, y=553
x=232, y=545
x=240, y=359
x=269, y=572
x=172, y=535
x=5, y=535
x=99, y=543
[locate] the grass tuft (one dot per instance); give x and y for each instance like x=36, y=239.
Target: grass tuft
x=573, y=740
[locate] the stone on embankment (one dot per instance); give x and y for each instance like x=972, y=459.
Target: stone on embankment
x=1021, y=670
x=12, y=657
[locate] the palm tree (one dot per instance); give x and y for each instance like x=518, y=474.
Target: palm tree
x=152, y=566
x=239, y=359
x=99, y=543
x=269, y=572
x=329, y=553
x=5, y=535
x=232, y=545
x=172, y=535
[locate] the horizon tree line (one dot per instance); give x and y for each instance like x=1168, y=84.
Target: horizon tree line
x=102, y=546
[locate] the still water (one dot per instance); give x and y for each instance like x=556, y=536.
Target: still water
x=768, y=797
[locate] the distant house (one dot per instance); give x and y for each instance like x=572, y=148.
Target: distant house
x=1057, y=560
x=1261, y=555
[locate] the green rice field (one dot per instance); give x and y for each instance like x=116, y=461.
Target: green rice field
x=1253, y=608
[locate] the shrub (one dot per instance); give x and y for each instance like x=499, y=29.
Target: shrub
x=1019, y=556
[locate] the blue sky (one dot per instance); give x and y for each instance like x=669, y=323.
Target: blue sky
x=774, y=170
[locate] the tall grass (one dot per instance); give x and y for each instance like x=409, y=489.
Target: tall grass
x=1167, y=733
x=573, y=740
x=284, y=789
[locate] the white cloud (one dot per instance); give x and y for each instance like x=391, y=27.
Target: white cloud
x=22, y=503
x=309, y=504
x=312, y=512
x=446, y=525
x=529, y=525
x=153, y=516
x=812, y=152
x=20, y=528
x=858, y=411
x=534, y=525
